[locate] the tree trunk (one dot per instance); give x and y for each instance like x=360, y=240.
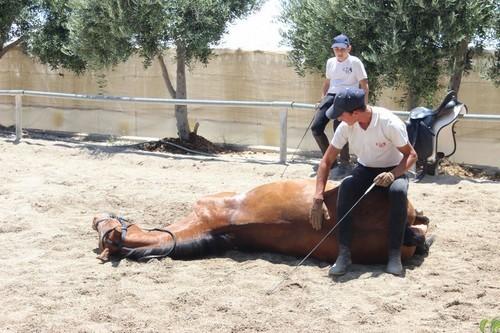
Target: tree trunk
x=459, y=59
x=166, y=76
x=181, y=110
x=412, y=99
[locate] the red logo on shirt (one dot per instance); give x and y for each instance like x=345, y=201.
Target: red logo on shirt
x=380, y=144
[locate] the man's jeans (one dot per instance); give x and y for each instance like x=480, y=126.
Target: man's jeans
x=353, y=187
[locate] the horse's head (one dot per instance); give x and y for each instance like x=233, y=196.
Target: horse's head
x=108, y=227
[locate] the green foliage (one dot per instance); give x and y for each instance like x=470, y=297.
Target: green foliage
x=492, y=70
x=309, y=33
x=49, y=42
x=103, y=33
x=82, y=35
x=99, y=33
x=408, y=44
x=490, y=326
x=16, y=17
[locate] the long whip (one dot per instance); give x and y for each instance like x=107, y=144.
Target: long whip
x=287, y=276
x=300, y=142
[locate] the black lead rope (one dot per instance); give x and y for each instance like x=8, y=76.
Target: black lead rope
x=153, y=256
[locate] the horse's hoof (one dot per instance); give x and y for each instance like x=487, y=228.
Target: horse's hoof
x=421, y=219
x=103, y=258
x=429, y=241
x=423, y=248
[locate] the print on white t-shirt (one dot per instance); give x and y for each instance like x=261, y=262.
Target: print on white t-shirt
x=345, y=74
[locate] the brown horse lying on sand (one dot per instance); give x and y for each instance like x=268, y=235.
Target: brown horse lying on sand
x=272, y=217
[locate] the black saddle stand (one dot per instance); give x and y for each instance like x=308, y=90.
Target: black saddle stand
x=424, y=128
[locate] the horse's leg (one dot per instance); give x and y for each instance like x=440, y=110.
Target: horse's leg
x=138, y=237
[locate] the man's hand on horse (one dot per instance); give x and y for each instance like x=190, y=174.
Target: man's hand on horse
x=318, y=213
x=384, y=179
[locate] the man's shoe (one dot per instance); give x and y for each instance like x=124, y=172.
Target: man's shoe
x=394, y=265
x=342, y=263
x=340, y=171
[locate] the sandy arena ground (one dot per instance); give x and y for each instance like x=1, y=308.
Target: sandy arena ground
x=50, y=280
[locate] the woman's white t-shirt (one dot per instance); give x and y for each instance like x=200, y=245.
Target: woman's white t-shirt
x=345, y=74
x=375, y=147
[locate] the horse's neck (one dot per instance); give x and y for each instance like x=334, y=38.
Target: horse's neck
x=137, y=237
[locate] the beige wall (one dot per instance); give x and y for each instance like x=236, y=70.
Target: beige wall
x=231, y=75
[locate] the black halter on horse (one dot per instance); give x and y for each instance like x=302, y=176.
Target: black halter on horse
x=126, y=251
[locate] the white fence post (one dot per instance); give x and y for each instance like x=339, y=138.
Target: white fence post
x=19, y=117
x=283, y=135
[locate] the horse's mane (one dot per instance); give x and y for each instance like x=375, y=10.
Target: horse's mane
x=196, y=248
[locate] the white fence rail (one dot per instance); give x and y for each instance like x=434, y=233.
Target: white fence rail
x=286, y=106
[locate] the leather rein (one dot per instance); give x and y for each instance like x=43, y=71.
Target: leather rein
x=126, y=251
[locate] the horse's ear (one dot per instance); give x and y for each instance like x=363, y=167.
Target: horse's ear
x=94, y=225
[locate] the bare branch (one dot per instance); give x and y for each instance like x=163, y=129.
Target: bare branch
x=10, y=46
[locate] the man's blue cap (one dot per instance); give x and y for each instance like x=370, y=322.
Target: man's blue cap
x=347, y=100
x=341, y=41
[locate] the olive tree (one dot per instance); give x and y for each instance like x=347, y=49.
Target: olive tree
x=407, y=44
x=96, y=34
x=16, y=18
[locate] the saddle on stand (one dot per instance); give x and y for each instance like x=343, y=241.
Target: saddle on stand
x=431, y=135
